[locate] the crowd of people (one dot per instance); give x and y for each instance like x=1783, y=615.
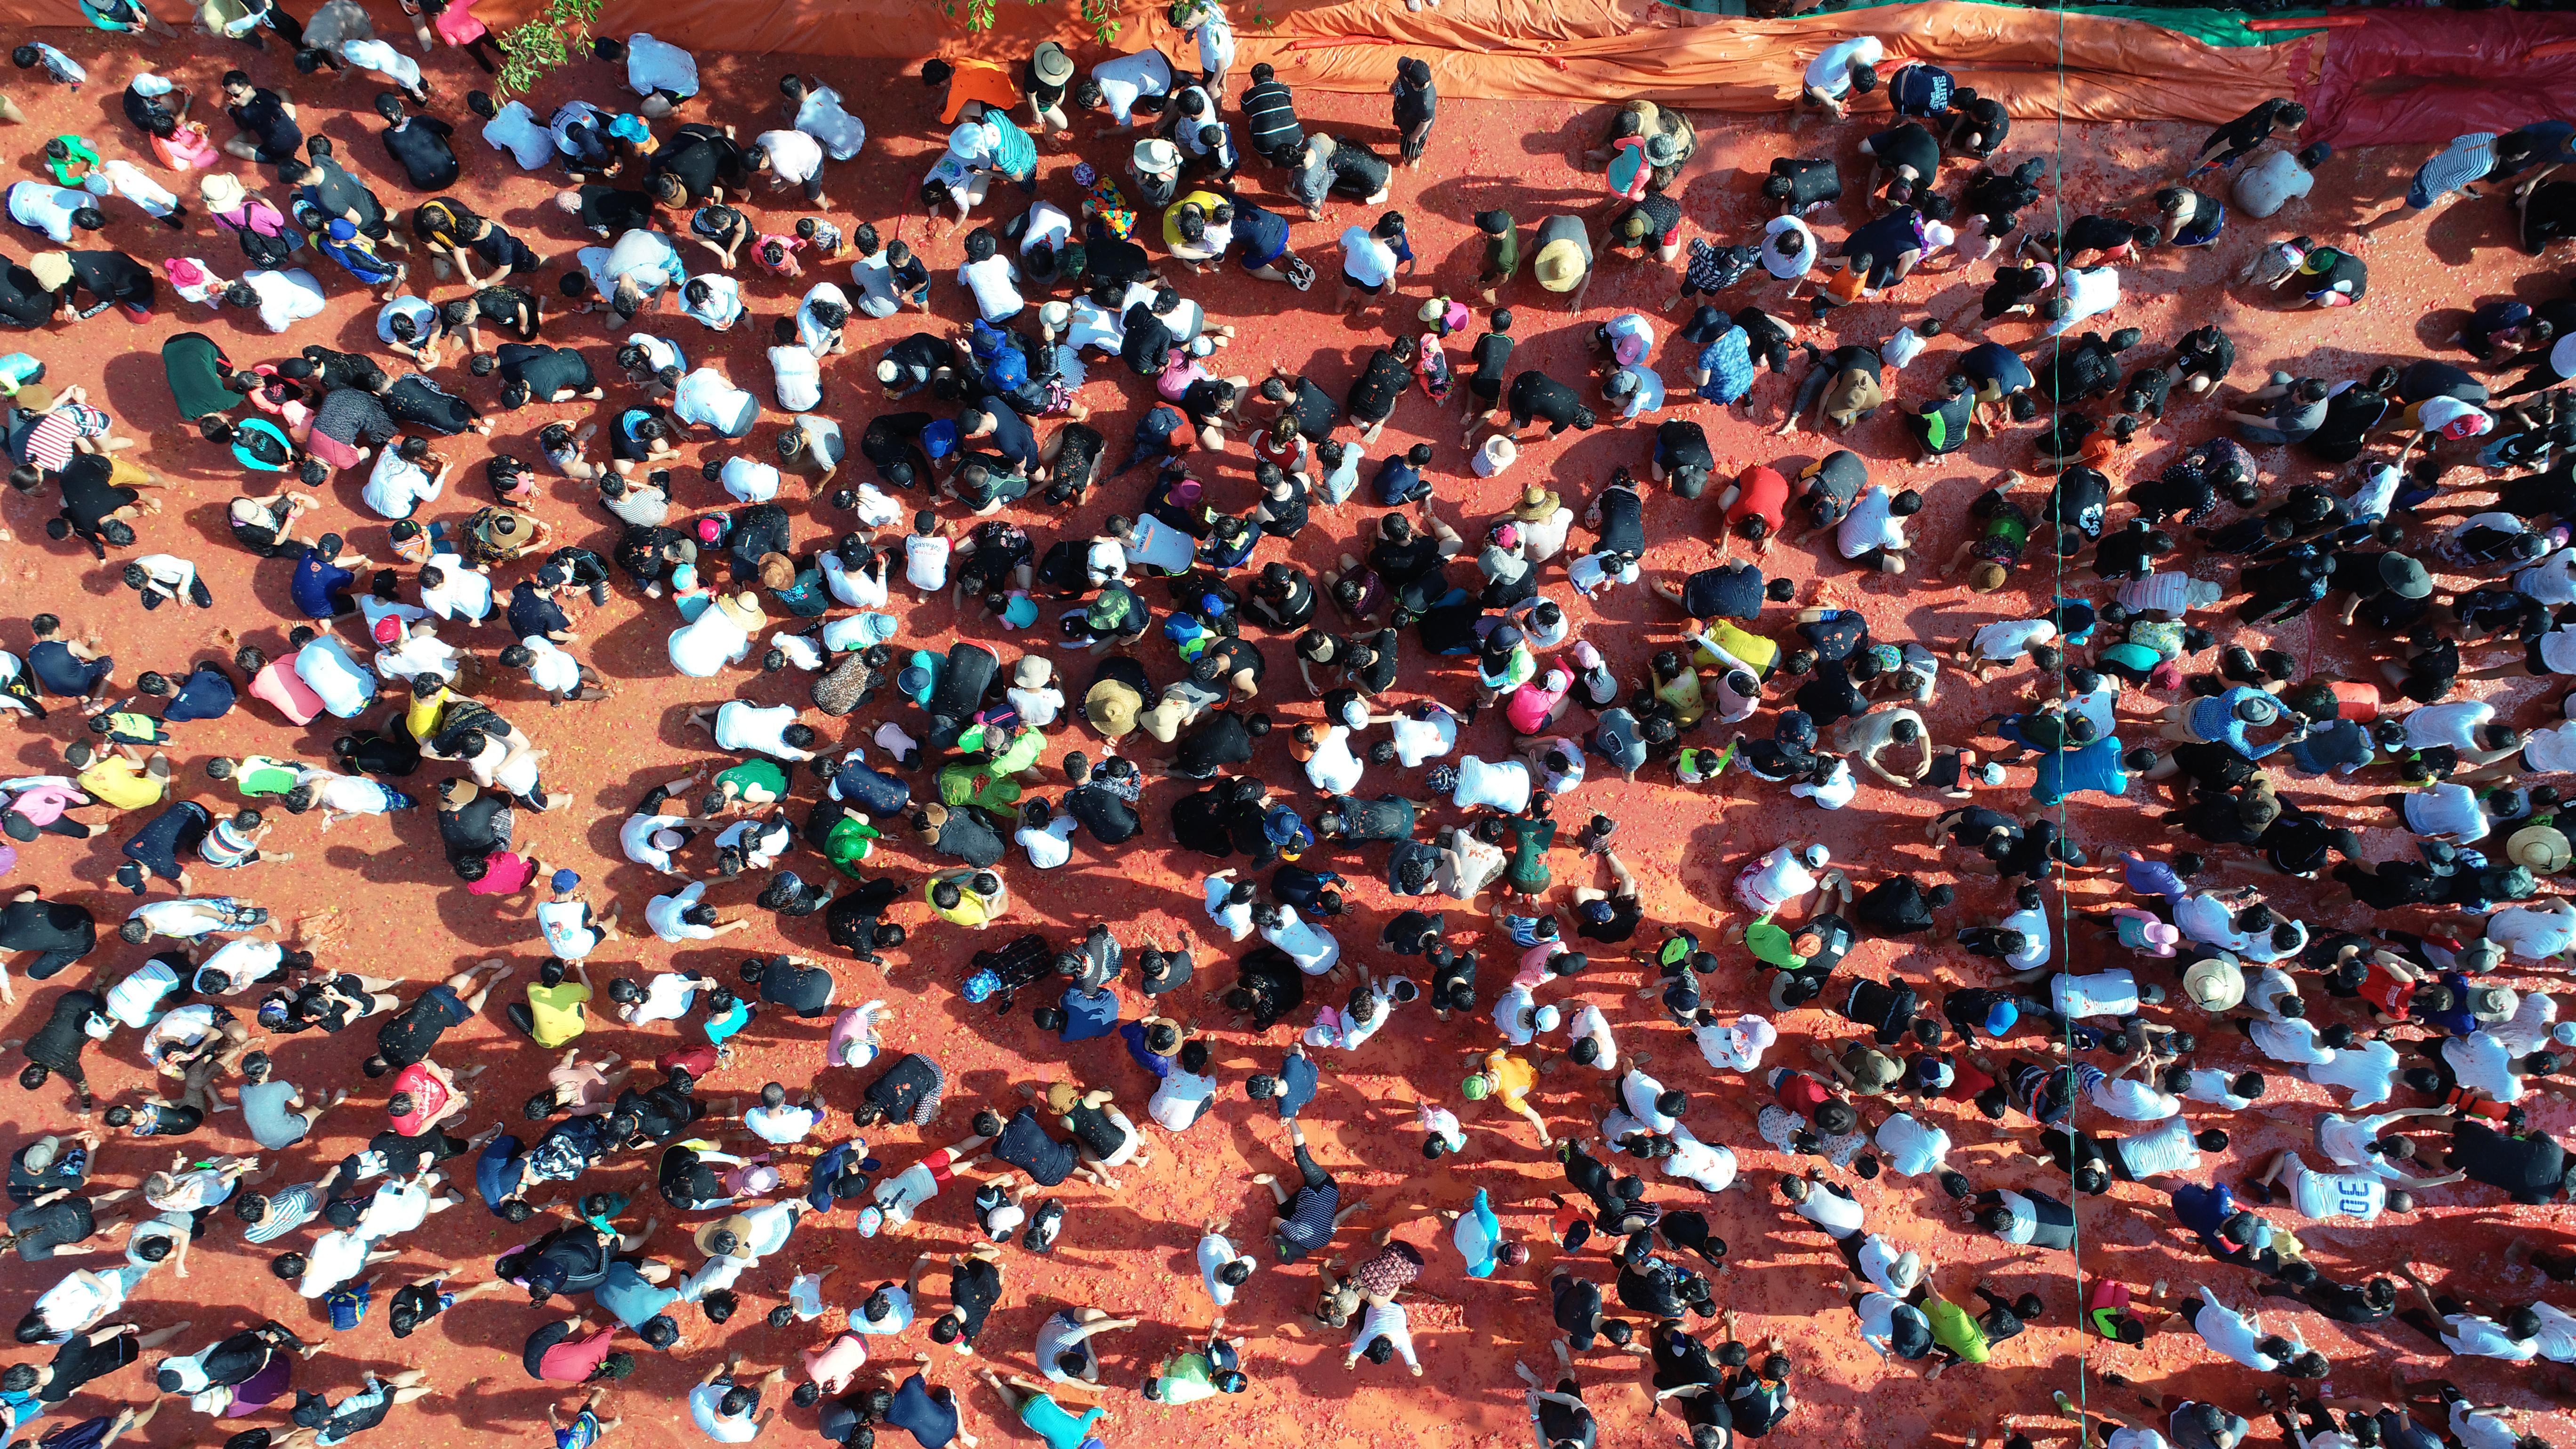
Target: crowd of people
x=1868, y=1032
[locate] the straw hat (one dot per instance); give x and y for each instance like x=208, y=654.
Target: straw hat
x=739, y=1225
x=1053, y=66
x=1538, y=503
x=52, y=271
x=221, y=192
x=1559, y=265
x=2540, y=847
x=743, y=608
x=2215, y=983
x=1111, y=707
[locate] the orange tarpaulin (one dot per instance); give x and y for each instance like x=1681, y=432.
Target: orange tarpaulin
x=2040, y=63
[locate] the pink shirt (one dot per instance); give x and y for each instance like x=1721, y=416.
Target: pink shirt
x=1174, y=381
x=504, y=875
x=833, y=1364
x=457, y=25
x=428, y=1098
x=1527, y=707
x=281, y=686
x=45, y=804
x=1534, y=963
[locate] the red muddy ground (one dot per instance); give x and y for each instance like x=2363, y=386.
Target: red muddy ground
x=408, y=918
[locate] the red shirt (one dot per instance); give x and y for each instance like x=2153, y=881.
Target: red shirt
x=1966, y=1083
x=2104, y=1307
x=573, y=1360
x=1802, y=1094
x=505, y=874
x=1761, y=492
x=2382, y=988
x=429, y=1098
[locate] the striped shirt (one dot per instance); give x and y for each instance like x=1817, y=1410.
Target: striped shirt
x=1309, y=1223
x=288, y=1209
x=2465, y=161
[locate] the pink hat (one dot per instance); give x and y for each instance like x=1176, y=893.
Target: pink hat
x=2160, y=934
x=1507, y=535
x=388, y=629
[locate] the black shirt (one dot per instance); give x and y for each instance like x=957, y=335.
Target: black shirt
x=905, y=1086
x=1491, y=353
x=264, y=116
x=1897, y=906
x=533, y=611
x=79, y=1361
x=1110, y=819
x=58, y=1043
x=1373, y=394
x=1911, y=147
x=1217, y=741
x=112, y=276
x=1810, y=181
x=546, y=370
x=1314, y=410
x=1680, y=443
x=419, y=147
x=40, y=1230
x=615, y=210
x=802, y=990
x=1723, y=593
x=415, y=400
x=410, y=1033
x=1270, y=120
x=1534, y=394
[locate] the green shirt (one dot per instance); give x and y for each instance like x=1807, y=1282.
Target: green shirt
x=260, y=775
x=1189, y=1380
x=1503, y=253
x=1771, y=944
x=1955, y=1329
x=1530, y=841
x=80, y=152
x=849, y=841
x=766, y=777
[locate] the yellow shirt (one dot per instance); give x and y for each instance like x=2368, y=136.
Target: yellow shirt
x=1513, y=1077
x=1208, y=201
x=421, y=717
x=557, y=1012
x=121, y=783
x=970, y=910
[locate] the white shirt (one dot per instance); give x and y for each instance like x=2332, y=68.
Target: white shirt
x=794, y=156
x=702, y=648
x=1177, y=1098
x=1913, y=1148
x=1365, y=259
x=46, y=207
x=566, y=935
x=741, y=726
x=1121, y=81
x=515, y=129
x=1040, y=707
x=724, y=1429
x=462, y=593
x=346, y=686
x=242, y=961
x=653, y=65
x=397, y=1207
x=1050, y=846
x=2132, y=1100
x=761, y=841
x=383, y=59
x=2480, y=1061
x=1235, y=919
x=665, y=915
x=1795, y=265
x=118, y=176
x=2232, y=1333
x=748, y=479
x=708, y=397
x=1214, y=1253
x=925, y=561
x=2168, y=1148
x=787, y=1123
x=2455, y=724
x=1710, y=1166
x=997, y=295
x=1503, y=785
x=1837, y=790
x=723, y=306
x=2363, y=1070
x=821, y=116
x=1312, y=948
x=285, y=297
x=2272, y=182
x=1829, y=74
x=1333, y=769
x=668, y=997
x=1387, y=1320
x=1838, y=1215
x=636, y=838
x=1736, y=1046
x=2090, y=291
x=1873, y=524
x=2008, y=639
x=797, y=377
x=335, y=1257
x=1417, y=740
x=2105, y=993
x=396, y=486
x=552, y=670
x=2482, y=1337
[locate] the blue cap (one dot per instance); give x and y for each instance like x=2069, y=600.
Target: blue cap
x=630, y=127
x=342, y=229
x=2000, y=1018
x=566, y=879
x=939, y=439
x=1008, y=371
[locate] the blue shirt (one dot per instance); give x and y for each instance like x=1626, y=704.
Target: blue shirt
x=500, y=1171
x=1298, y=1078
x=207, y=693
x=2094, y=767
x=2343, y=745
x=625, y=1293
x=316, y=580
x=1397, y=481
x=2202, y=1209
x=1729, y=364
x=2213, y=718
x=2152, y=877
x=1089, y=1014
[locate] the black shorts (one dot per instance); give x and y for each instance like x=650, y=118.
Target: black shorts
x=1488, y=390
x=1369, y=288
